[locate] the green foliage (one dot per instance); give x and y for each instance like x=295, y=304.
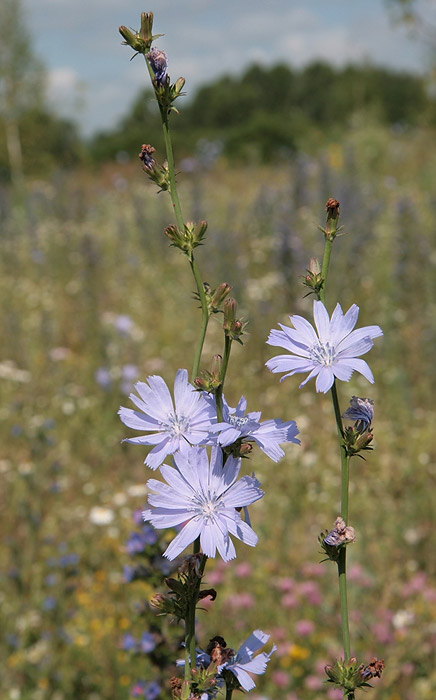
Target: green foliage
x=81, y=252
x=269, y=112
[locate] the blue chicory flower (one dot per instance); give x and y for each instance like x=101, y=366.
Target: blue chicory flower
x=244, y=662
x=361, y=411
x=129, y=643
x=332, y=351
x=174, y=426
x=204, y=495
x=269, y=434
x=148, y=642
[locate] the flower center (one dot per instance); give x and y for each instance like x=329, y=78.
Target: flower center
x=207, y=505
x=323, y=354
x=238, y=422
x=177, y=426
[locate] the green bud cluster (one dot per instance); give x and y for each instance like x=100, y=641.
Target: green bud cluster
x=313, y=278
x=188, y=239
x=351, y=675
x=184, y=590
x=142, y=40
x=210, y=380
x=167, y=93
x=233, y=328
x=356, y=440
x=157, y=173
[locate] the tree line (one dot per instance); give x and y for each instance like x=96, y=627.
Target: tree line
x=271, y=111
x=264, y=114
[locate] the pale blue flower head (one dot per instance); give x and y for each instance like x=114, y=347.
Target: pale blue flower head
x=269, y=434
x=241, y=663
x=204, y=495
x=173, y=426
x=361, y=411
x=244, y=662
x=332, y=351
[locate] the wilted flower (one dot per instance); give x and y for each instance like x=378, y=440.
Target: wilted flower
x=176, y=426
x=361, y=411
x=159, y=62
x=332, y=351
x=341, y=534
x=205, y=496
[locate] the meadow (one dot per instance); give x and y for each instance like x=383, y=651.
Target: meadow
x=92, y=299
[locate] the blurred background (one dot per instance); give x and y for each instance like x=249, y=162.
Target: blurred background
x=284, y=109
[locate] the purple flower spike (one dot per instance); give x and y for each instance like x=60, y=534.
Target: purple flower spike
x=174, y=426
x=332, y=351
x=204, y=496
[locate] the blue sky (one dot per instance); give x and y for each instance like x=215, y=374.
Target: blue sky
x=91, y=78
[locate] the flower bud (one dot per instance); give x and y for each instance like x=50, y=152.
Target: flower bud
x=178, y=87
x=219, y=295
x=158, y=61
x=332, y=209
x=230, y=307
x=210, y=380
x=347, y=674
x=313, y=278
x=132, y=39
x=146, y=30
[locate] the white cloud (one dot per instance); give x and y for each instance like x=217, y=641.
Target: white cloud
x=80, y=44
x=65, y=91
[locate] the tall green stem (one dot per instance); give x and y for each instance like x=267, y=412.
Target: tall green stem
x=204, y=317
x=190, y=640
x=330, y=235
x=325, y=267
x=342, y=561
x=219, y=391
x=181, y=224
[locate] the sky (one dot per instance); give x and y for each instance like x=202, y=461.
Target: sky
x=92, y=80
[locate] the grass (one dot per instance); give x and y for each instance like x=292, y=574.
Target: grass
x=82, y=252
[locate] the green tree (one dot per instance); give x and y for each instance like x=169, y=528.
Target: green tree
x=21, y=80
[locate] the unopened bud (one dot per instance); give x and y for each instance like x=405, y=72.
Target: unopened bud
x=332, y=209
x=220, y=295
x=230, y=307
x=178, y=87
x=132, y=39
x=147, y=28
x=245, y=449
